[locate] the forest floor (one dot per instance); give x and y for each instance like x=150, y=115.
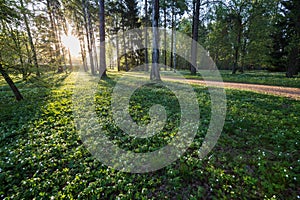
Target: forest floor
x=43, y=155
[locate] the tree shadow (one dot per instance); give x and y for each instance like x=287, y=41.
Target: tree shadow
x=15, y=116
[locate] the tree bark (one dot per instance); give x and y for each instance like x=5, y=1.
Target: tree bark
x=293, y=62
x=95, y=53
x=165, y=35
x=155, y=57
x=102, y=39
x=87, y=30
x=70, y=59
x=53, y=31
x=194, y=49
x=11, y=84
x=124, y=45
x=174, y=45
x=118, y=53
x=146, y=37
x=91, y=35
x=83, y=53
x=238, y=46
x=172, y=38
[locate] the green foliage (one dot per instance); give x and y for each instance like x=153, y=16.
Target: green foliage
x=7, y=12
x=286, y=38
x=240, y=32
x=42, y=155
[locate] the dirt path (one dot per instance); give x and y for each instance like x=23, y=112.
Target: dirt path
x=293, y=93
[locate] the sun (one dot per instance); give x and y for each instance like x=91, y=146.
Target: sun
x=72, y=43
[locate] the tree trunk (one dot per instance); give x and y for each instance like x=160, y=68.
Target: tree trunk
x=243, y=54
x=165, y=35
x=102, y=39
x=124, y=46
x=35, y=62
x=95, y=53
x=194, y=49
x=87, y=30
x=83, y=53
x=118, y=53
x=70, y=59
x=235, y=64
x=293, y=63
x=174, y=47
x=172, y=38
x=91, y=35
x=53, y=31
x=237, y=47
x=146, y=37
x=11, y=84
x=155, y=57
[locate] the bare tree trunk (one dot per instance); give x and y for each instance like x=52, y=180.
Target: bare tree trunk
x=35, y=62
x=293, y=62
x=237, y=47
x=165, y=35
x=174, y=47
x=172, y=38
x=95, y=53
x=155, y=56
x=11, y=84
x=53, y=31
x=91, y=36
x=194, y=49
x=243, y=54
x=124, y=46
x=29, y=57
x=87, y=30
x=146, y=37
x=70, y=59
x=118, y=53
x=83, y=53
x=102, y=39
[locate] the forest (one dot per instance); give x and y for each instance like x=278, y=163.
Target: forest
x=239, y=35
x=66, y=65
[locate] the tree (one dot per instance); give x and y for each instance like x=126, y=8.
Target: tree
x=32, y=46
x=88, y=32
x=102, y=39
x=286, y=38
x=9, y=15
x=146, y=35
x=257, y=38
x=240, y=32
x=178, y=8
x=165, y=6
x=194, y=50
x=11, y=84
x=155, y=75
x=73, y=10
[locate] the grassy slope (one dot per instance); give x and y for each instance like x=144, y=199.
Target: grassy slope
x=42, y=155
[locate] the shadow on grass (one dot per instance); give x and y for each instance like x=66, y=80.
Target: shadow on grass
x=16, y=115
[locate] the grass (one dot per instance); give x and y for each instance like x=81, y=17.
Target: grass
x=252, y=77
x=42, y=156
